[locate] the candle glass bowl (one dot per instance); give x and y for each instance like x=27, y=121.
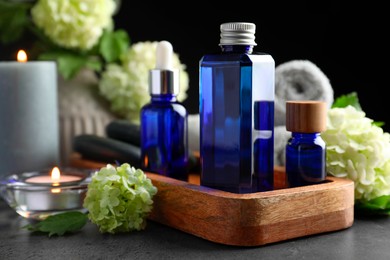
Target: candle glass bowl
x=40, y=200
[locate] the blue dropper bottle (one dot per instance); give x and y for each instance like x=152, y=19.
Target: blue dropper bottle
x=164, y=123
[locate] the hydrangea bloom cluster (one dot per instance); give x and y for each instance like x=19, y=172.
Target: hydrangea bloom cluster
x=126, y=86
x=74, y=24
x=119, y=198
x=359, y=150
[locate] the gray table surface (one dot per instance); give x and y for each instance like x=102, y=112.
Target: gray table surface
x=368, y=238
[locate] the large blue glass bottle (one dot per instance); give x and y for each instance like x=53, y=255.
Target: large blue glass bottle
x=236, y=89
x=305, y=150
x=164, y=126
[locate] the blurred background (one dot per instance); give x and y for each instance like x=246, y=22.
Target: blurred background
x=347, y=42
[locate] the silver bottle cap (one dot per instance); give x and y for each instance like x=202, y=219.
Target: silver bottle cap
x=164, y=82
x=238, y=34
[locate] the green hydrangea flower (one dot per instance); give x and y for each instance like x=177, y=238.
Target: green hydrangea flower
x=119, y=198
x=126, y=86
x=73, y=24
x=359, y=150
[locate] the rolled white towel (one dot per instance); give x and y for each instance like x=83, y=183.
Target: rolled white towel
x=299, y=80
x=281, y=136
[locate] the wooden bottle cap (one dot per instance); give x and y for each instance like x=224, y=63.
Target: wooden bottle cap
x=306, y=116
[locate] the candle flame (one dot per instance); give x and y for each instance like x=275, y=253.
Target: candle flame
x=22, y=56
x=55, y=174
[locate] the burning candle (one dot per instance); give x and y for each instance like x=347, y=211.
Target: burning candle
x=29, y=136
x=55, y=178
x=38, y=194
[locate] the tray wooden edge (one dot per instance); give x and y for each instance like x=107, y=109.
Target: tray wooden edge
x=249, y=219
x=253, y=219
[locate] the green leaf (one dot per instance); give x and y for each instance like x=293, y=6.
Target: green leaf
x=346, y=100
x=113, y=45
x=94, y=64
x=13, y=21
x=69, y=63
x=60, y=224
x=377, y=206
x=379, y=123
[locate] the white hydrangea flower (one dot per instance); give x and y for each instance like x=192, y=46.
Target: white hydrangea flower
x=119, y=198
x=73, y=24
x=126, y=86
x=359, y=150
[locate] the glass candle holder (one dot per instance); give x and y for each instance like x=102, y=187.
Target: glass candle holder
x=37, y=195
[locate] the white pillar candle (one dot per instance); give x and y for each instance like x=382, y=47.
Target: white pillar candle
x=29, y=127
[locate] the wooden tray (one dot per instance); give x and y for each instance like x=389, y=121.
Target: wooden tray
x=250, y=219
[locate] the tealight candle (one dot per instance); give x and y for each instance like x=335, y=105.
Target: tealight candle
x=36, y=195
x=55, y=178
x=28, y=115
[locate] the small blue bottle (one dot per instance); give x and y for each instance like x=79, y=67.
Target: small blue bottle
x=164, y=126
x=305, y=150
x=236, y=91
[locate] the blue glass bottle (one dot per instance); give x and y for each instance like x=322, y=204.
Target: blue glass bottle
x=305, y=150
x=236, y=91
x=164, y=125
